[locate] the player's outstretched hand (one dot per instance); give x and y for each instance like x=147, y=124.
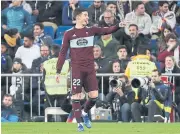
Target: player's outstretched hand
x=122, y=24
x=57, y=78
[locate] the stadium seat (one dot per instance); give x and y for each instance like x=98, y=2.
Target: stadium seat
x=60, y=31
x=178, y=30
x=58, y=42
x=48, y=30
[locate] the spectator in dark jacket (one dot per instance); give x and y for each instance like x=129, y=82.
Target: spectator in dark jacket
x=6, y=64
x=67, y=13
x=94, y=11
x=122, y=56
x=16, y=88
x=50, y=13
x=7, y=112
x=40, y=37
x=16, y=17
x=171, y=67
x=133, y=40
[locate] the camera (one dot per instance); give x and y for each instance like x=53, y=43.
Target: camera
x=116, y=83
x=140, y=82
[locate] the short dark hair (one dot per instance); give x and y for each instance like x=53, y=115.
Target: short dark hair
x=155, y=70
x=125, y=77
x=134, y=25
x=137, y=3
x=56, y=50
x=142, y=49
x=121, y=47
x=78, y=11
x=29, y=36
x=161, y=3
x=111, y=2
x=40, y=25
x=170, y=36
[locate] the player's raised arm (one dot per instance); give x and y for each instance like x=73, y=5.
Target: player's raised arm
x=62, y=54
x=108, y=30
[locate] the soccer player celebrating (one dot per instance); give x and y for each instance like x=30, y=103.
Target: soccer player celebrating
x=80, y=41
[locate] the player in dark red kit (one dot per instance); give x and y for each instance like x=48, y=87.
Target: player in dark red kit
x=80, y=41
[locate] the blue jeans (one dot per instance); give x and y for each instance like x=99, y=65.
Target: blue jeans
x=125, y=112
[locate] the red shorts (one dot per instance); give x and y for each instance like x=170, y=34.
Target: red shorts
x=86, y=79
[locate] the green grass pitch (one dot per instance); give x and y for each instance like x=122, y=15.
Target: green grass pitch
x=98, y=128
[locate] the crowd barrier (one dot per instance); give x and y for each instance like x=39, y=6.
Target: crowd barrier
x=39, y=76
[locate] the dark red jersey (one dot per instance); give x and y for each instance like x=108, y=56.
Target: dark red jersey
x=80, y=42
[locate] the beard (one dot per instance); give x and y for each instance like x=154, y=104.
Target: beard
x=15, y=70
x=133, y=36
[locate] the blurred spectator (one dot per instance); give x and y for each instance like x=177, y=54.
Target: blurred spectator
x=16, y=88
x=7, y=112
x=114, y=68
x=40, y=37
x=173, y=6
x=140, y=18
x=49, y=13
x=13, y=39
x=161, y=41
x=101, y=66
x=6, y=65
x=173, y=49
x=94, y=12
x=152, y=57
x=67, y=13
x=162, y=17
x=26, y=6
x=140, y=66
x=102, y=62
x=111, y=5
x=172, y=68
x=108, y=45
x=6, y=61
x=28, y=52
x=122, y=56
x=123, y=7
x=16, y=17
x=123, y=96
x=133, y=40
x=108, y=19
x=150, y=6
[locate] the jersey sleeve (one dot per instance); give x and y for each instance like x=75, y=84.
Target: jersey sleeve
x=63, y=53
x=105, y=30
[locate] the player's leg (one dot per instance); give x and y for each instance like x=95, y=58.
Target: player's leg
x=76, y=97
x=92, y=87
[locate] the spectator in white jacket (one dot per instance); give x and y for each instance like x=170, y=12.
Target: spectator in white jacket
x=162, y=18
x=140, y=18
x=29, y=51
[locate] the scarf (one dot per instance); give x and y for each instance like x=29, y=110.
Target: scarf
x=10, y=41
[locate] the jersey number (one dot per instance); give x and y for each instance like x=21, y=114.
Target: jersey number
x=76, y=82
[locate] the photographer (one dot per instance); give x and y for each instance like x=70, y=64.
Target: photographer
x=122, y=95
x=153, y=98
x=161, y=98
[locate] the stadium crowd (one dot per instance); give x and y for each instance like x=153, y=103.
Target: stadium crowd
x=31, y=38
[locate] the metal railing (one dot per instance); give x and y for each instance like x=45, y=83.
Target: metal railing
x=102, y=75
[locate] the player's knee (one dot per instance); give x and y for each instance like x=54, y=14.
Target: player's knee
x=76, y=96
x=93, y=94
